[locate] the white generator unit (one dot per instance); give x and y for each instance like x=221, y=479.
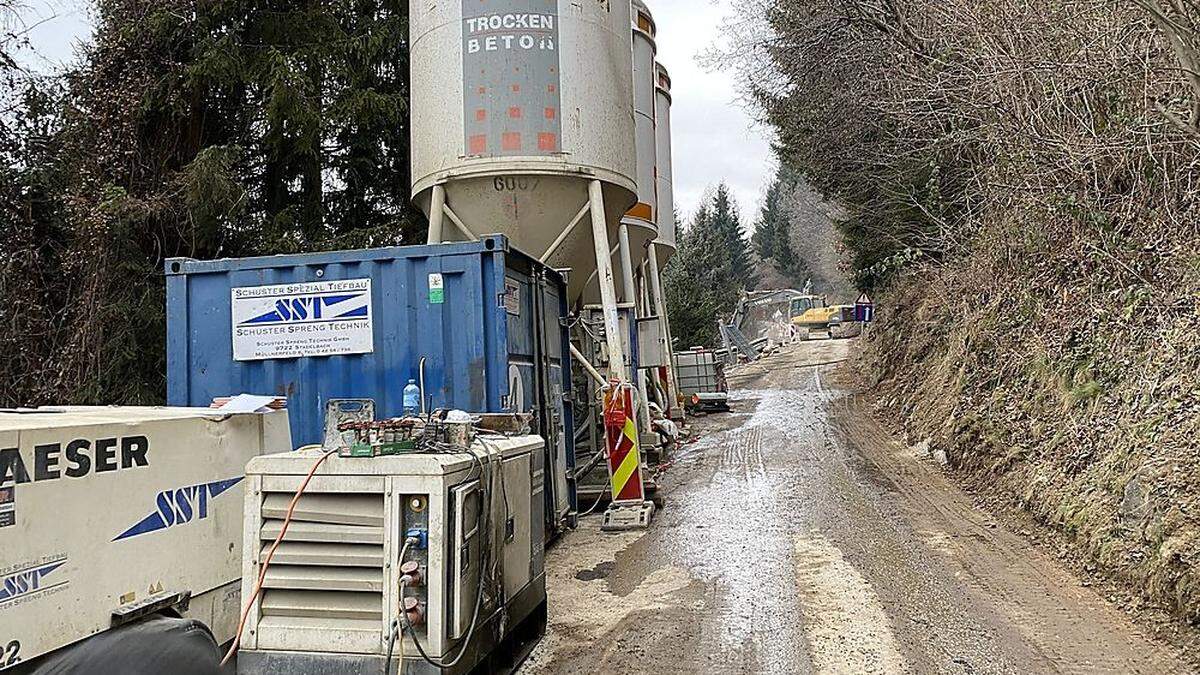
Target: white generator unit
x=372, y=538
x=110, y=515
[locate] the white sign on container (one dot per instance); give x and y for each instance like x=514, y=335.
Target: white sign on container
x=287, y=321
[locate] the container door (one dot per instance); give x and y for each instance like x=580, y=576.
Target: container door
x=553, y=369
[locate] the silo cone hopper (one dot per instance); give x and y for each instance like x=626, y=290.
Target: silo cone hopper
x=523, y=125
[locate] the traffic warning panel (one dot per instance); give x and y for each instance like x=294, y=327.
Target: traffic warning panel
x=621, y=443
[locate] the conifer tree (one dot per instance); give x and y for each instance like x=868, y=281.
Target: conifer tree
x=772, y=238
x=726, y=221
x=708, y=273
x=201, y=129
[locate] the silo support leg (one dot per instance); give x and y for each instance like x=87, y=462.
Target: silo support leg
x=437, y=214
x=628, y=510
x=630, y=296
x=629, y=293
x=660, y=308
x=608, y=291
x=565, y=233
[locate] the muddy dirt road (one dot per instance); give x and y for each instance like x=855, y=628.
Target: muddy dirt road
x=799, y=537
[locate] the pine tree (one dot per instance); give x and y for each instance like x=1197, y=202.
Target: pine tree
x=705, y=278
x=772, y=238
x=725, y=220
x=699, y=283
x=202, y=129
x=771, y=223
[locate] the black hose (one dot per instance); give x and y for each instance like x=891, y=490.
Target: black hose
x=387, y=663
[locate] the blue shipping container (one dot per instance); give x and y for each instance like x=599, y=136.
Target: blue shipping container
x=488, y=320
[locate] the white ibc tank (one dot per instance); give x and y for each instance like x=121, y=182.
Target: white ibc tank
x=665, y=244
x=517, y=105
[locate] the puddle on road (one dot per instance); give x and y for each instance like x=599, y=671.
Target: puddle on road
x=737, y=524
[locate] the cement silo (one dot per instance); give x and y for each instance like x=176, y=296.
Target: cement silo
x=522, y=125
x=665, y=244
x=663, y=248
x=644, y=213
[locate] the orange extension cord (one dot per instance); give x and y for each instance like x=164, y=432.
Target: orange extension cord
x=287, y=520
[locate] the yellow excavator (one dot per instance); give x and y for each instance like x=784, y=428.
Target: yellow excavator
x=812, y=314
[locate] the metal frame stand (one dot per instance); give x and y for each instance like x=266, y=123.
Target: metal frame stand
x=621, y=514
x=660, y=308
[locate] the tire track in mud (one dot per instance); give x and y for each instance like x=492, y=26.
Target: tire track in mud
x=1039, y=608
x=743, y=455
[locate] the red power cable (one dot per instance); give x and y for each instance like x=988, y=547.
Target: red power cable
x=287, y=520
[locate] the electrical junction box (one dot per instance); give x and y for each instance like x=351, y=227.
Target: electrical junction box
x=109, y=513
x=594, y=335
x=332, y=590
x=652, y=351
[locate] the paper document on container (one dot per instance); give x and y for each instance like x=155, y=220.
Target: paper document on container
x=247, y=403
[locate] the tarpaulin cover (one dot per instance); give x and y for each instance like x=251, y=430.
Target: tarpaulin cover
x=151, y=647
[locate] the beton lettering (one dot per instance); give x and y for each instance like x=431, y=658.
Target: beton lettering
x=510, y=31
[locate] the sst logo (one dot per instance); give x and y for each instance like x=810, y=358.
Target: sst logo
x=315, y=308
x=28, y=581
x=179, y=507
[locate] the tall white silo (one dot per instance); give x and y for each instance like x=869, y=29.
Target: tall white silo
x=522, y=124
x=663, y=248
x=665, y=244
x=643, y=214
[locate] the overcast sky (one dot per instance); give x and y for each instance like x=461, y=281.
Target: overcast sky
x=714, y=138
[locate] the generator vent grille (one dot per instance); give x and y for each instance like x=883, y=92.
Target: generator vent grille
x=330, y=566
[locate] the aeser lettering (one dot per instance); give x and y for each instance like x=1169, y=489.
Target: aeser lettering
x=76, y=459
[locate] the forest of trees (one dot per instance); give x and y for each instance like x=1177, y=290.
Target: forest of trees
x=200, y=129
x=188, y=128
x=712, y=267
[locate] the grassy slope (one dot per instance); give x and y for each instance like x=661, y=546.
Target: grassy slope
x=1063, y=371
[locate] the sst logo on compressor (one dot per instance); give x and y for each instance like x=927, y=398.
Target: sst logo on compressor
x=28, y=581
x=179, y=507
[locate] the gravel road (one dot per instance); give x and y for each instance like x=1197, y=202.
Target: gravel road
x=799, y=537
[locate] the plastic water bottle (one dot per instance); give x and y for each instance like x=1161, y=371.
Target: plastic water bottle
x=412, y=398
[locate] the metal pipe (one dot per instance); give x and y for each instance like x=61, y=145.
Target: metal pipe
x=631, y=298
x=628, y=291
x=587, y=366
x=459, y=223
x=565, y=233
x=608, y=292
x=644, y=288
x=660, y=308
x=421, y=374
x=436, y=213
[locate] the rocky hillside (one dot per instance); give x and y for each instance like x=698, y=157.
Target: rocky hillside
x=1067, y=378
